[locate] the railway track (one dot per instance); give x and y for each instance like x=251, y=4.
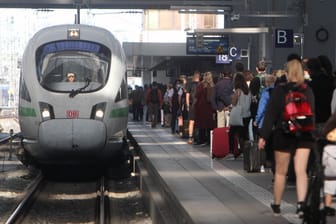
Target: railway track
x=101, y=201
x=21, y=210
x=108, y=201
x=34, y=205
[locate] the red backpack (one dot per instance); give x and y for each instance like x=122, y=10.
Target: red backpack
x=297, y=114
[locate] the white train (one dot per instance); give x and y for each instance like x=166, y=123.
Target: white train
x=80, y=121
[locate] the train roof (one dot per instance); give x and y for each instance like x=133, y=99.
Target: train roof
x=86, y=32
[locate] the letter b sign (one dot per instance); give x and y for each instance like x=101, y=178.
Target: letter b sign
x=284, y=38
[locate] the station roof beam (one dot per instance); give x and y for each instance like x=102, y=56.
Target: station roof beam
x=116, y=4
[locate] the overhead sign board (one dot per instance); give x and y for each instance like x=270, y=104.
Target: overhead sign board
x=223, y=59
x=207, y=45
x=284, y=38
x=234, y=53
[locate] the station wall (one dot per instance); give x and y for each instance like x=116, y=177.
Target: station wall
x=307, y=18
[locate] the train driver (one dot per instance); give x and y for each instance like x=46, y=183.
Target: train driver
x=71, y=77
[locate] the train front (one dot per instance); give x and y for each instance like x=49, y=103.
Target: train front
x=73, y=96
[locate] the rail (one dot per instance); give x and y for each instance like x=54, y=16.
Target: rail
x=102, y=204
x=24, y=204
x=5, y=138
x=9, y=139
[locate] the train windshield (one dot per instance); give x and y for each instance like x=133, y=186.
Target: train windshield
x=63, y=66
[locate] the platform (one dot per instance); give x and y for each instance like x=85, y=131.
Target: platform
x=211, y=190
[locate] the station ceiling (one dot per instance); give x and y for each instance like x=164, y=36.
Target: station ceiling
x=115, y=4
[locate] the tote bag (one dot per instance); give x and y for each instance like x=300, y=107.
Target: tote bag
x=236, y=114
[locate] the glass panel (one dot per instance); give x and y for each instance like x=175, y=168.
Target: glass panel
x=67, y=65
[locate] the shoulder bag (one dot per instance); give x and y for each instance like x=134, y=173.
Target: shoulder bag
x=236, y=114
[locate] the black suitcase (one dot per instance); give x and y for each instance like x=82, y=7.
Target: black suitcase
x=252, y=156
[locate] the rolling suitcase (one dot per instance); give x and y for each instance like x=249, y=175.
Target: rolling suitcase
x=219, y=142
x=252, y=156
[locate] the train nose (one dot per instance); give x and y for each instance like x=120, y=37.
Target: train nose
x=72, y=135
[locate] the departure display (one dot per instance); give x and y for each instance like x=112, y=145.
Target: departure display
x=207, y=45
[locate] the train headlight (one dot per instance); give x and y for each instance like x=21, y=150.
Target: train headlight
x=98, y=111
x=45, y=114
x=99, y=114
x=47, y=111
x=73, y=34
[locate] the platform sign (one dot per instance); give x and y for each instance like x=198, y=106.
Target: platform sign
x=223, y=59
x=284, y=38
x=209, y=45
x=234, y=53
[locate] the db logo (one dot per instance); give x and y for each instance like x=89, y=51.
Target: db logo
x=72, y=114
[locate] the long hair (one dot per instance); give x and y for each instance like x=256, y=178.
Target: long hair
x=240, y=83
x=295, y=71
x=208, y=80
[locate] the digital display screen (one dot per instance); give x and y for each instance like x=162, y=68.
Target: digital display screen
x=207, y=45
x=70, y=46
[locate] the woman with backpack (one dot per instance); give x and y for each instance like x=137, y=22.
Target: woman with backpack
x=288, y=141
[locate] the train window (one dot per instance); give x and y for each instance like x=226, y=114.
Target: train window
x=123, y=92
x=24, y=94
x=88, y=62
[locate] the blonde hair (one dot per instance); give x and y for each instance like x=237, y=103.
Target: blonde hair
x=295, y=72
x=269, y=80
x=278, y=73
x=208, y=80
x=183, y=78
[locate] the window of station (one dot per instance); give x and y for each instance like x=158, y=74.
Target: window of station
x=162, y=20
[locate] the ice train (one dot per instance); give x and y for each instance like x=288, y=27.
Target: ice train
x=82, y=121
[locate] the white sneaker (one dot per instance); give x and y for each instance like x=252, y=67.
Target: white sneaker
x=262, y=169
x=229, y=157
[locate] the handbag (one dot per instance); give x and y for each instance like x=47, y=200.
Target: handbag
x=236, y=114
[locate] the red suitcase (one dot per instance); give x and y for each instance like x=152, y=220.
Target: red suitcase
x=219, y=142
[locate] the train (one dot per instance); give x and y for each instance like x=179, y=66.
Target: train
x=74, y=120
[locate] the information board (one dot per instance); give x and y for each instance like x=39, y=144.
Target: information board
x=207, y=45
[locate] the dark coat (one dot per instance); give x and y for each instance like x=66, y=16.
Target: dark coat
x=221, y=96
x=323, y=87
x=203, y=108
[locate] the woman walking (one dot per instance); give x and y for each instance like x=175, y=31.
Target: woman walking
x=286, y=144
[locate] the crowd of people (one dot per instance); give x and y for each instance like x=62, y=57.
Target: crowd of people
x=192, y=106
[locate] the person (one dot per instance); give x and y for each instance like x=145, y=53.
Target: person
x=137, y=96
x=323, y=95
x=190, y=100
x=265, y=95
x=243, y=95
x=175, y=96
x=182, y=118
x=329, y=186
x=256, y=86
x=166, y=105
x=285, y=144
x=71, y=77
x=144, y=103
x=239, y=68
x=203, y=109
x=221, y=99
x=248, y=76
x=154, y=102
